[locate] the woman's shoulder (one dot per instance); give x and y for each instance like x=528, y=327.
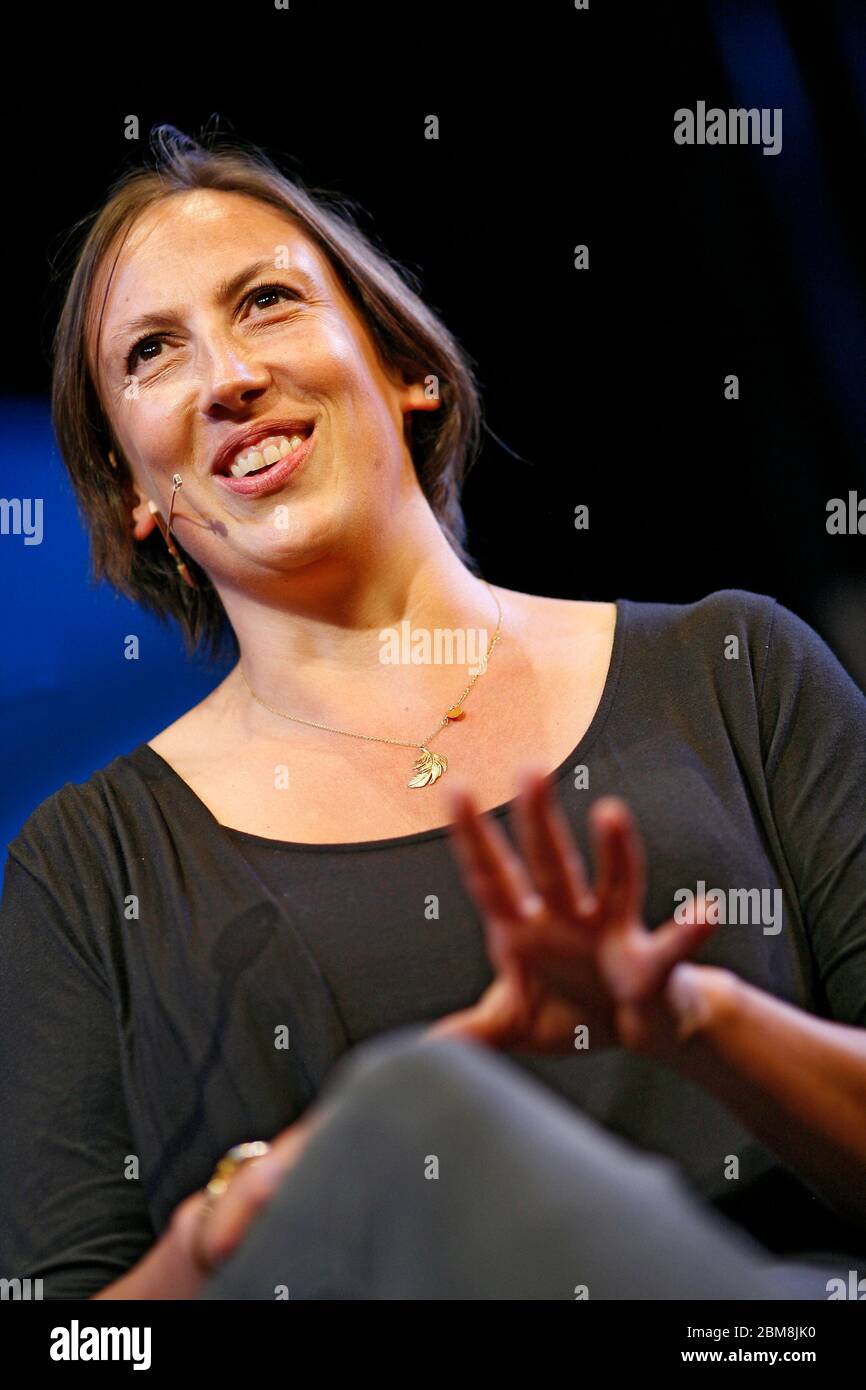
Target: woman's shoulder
x=748, y=647
x=71, y=826
x=722, y=626
x=93, y=806
x=694, y=623
x=590, y=615
x=742, y=606
x=728, y=623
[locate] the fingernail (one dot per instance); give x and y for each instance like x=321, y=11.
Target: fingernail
x=458, y=792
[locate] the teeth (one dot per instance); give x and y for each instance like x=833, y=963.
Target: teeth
x=269, y=451
x=248, y=463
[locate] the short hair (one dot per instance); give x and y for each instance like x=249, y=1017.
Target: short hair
x=407, y=334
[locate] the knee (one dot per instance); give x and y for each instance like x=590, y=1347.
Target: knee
x=405, y=1083
x=405, y=1060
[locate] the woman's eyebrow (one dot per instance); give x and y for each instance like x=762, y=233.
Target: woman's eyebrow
x=226, y=290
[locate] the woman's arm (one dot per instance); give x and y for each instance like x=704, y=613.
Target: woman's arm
x=798, y=1082
x=166, y=1271
x=70, y=1213
x=196, y=1241
x=568, y=958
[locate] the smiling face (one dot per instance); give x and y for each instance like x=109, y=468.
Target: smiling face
x=225, y=329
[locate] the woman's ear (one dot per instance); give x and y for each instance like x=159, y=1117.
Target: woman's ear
x=420, y=395
x=143, y=519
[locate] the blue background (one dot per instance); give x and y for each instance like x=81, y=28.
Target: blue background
x=71, y=701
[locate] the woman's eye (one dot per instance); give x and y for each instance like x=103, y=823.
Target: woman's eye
x=142, y=350
x=272, y=292
x=265, y=294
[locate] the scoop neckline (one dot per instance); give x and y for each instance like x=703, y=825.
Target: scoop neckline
x=596, y=724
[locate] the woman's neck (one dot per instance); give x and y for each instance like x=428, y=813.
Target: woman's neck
x=349, y=636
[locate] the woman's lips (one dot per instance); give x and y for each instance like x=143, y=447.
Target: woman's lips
x=272, y=478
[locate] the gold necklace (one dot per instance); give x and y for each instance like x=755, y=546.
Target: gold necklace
x=430, y=766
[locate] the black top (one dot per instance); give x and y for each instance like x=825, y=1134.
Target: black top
x=155, y=963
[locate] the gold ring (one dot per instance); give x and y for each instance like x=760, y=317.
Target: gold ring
x=231, y=1162
x=219, y=1183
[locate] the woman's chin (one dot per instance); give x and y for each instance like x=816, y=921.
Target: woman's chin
x=287, y=535
x=265, y=548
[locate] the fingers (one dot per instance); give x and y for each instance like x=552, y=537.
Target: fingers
x=492, y=871
x=554, y=872
x=225, y=1223
x=620, y=885
x=675, y=941
x=664, y=949
x=491, y=1020
x=252, y=1187
x=551, y=855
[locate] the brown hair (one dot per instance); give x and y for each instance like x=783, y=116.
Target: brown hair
x=407, y=334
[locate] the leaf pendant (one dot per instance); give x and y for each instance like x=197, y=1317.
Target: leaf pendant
x=428, y=768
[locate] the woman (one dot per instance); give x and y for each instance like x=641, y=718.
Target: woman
x=267, y=431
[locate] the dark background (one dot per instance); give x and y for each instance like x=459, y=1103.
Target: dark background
x=602, y=387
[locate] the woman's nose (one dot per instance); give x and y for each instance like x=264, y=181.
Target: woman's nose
x=231, y=377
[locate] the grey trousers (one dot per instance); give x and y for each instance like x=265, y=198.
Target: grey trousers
x=444, y=1171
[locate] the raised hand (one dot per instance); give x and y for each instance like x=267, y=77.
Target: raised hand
x=566, y=955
